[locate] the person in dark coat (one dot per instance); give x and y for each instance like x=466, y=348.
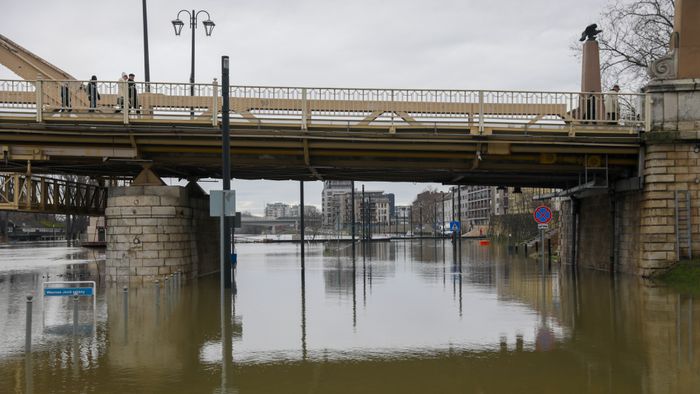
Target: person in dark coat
x=92, y=93
x=65, y=98
x=133, y=94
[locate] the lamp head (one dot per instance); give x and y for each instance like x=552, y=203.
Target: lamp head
x=178, y=25
x=208, y=26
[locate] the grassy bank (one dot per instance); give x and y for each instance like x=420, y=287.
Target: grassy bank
x=684, y=277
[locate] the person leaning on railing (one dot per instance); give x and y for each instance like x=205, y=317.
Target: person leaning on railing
x=92, y=93
x=612, y=105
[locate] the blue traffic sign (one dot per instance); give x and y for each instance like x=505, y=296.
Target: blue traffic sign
x=542, y=214
x=455, y=225
x=69, y=291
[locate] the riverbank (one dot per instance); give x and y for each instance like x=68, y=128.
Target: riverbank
x=683, y=277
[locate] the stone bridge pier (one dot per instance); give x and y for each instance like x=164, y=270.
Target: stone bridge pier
x=154, y=231
x=646, y=224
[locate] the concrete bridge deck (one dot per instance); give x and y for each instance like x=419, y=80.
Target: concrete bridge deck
x=547, y=139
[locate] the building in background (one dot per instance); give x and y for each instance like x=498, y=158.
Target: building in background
x=330, y=205
x=277, y=210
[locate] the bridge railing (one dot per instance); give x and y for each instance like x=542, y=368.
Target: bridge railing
x=19, y=192
x=478, y=111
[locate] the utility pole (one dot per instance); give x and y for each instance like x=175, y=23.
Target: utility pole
x=226, y=164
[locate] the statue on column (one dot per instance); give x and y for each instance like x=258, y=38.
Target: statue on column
x=590, y=33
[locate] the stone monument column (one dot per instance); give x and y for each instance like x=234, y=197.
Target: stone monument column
x=592, y=103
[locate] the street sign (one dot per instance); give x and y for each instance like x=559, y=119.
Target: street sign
x=542, y=214
x=222, y=199
x=543, y=226
x=69, y=291
x=455, y=225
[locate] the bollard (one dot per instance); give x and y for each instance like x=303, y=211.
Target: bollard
x=125, y=291
x=28, y=327
x=525, y=246
x=537, y=246
x=76, y=299
x=549, y=252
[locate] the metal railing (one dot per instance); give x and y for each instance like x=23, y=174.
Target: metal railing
x=19, y=192
x=479, y=111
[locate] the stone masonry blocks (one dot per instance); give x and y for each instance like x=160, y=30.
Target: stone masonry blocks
x=157, y=230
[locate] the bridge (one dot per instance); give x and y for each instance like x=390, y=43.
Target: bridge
x=547, y=139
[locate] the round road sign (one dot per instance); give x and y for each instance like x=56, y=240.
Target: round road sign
x=542, y=214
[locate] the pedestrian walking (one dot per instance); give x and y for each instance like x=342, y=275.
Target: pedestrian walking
x=133, y=94
x=93, y=94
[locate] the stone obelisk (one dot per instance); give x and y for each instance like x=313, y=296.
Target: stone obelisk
x=592, y=102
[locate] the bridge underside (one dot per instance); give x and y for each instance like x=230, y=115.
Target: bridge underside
x=446, y=155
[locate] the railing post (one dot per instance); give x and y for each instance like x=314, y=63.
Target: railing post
x=38, y=87
x=215, y=104
x=481, y=111
x=126, y=106
x=304, y=110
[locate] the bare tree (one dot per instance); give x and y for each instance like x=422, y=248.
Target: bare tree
x=634, y=34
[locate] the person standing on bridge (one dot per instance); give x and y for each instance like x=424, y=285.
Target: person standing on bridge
x=93, y=94
x=65, y=98
x=133, y=94
x=120, y=91
x=612, y=105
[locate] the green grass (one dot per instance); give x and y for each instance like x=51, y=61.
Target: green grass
x=684, y=277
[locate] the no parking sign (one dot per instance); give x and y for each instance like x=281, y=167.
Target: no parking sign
x=542, y=215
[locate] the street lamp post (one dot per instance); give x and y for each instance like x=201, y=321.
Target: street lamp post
x=178, y=24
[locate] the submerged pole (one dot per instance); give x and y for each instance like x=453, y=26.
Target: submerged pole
x=352, y=216
x=28, y=326
x=301, y=220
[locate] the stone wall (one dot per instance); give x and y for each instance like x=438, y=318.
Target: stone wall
x=595, y=232
x=153, y=231
x=669, y=168
x=627, y=239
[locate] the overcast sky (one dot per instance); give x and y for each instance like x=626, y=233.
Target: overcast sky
x=451, y=44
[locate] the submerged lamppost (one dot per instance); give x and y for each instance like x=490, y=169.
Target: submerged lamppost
x=178, y=24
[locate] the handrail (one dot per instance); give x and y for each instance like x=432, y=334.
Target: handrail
x=477, y=110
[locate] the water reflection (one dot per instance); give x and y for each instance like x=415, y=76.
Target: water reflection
x=401, y=317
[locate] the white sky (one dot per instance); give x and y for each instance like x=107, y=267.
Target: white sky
x=455, y=44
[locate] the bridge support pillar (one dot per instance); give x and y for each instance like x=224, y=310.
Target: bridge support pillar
x=153, y=231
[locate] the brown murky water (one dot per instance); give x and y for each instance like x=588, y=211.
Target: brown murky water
x=408, y=318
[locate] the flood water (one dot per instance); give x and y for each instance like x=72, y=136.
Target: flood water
x=404, y=317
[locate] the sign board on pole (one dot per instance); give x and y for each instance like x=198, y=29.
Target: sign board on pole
x=228, y=204
x=455, y=225
x=542, y=214
x=69, y=291
x=543, y=226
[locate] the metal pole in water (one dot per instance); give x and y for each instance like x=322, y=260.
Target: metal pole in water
x=352, y=215
x=228, y=277
x=301, y=221
x=542, y=249
x=125, y=292
x=76, y=299
x=28, y=326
